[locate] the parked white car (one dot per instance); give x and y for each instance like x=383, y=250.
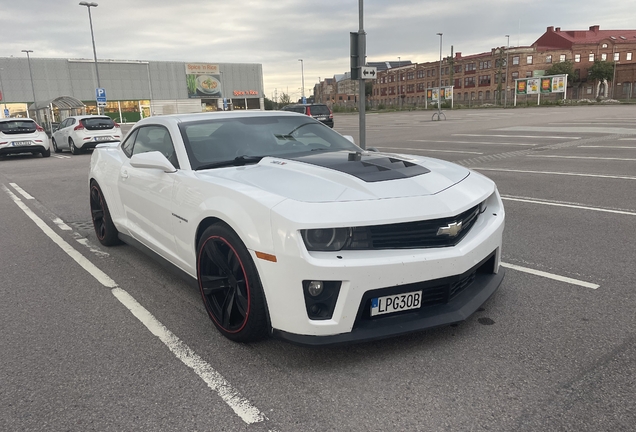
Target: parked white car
x=288, y=228
x=23, y=135
x=79, y=133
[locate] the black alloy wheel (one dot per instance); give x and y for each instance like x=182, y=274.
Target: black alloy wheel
x=230, y=287
x=46, y=153
x=104, y=228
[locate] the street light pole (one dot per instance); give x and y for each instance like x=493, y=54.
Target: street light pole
x=398, y=82
x=4, y=97
x=507, y=84
x=89, y=5
x=439, y=90
x=31, y=74
x=302, y=75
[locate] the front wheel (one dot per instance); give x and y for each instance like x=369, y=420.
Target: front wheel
x=74, y=149
x=105, y=230
x=230, y=287
x=55, y=149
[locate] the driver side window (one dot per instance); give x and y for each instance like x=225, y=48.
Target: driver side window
x=155, y=138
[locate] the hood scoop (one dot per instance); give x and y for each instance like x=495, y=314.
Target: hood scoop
x=367, y=167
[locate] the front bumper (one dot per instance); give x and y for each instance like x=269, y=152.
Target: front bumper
x=457, y=309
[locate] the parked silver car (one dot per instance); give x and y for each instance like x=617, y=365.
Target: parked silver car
x=80, y=133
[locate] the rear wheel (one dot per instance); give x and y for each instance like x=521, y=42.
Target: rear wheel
x=55, y=149
x=71, y=145
x=104, y=228
x=230, y=287
x=46, y=153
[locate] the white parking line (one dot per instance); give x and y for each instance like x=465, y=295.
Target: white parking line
x=627, y=139
x=21, y=191
x=551, y=276
x=474, y=142
x=241, y=406
x=609, y=147
x=569, y=205
x=429, y=150
x=62, y=157
x=556, y=173
x=519, y=136
x=580, y=157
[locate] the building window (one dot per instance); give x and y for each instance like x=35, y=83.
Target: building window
x=629, y=56
x=515, y=60
x=577, y=58
x=604, y=57
x=428, y=73
x=410, y=76
x=421, y=87
x=591, y=57
x=604, y=45
x=487, y=94
x=469, y=81
x=485, y=64
x=469, y=67
x=458, y=82
x=458, y=68
x=515, y=75
x=588, y=90
x=529, y=59
x=481, y=95
x=484, y=80
x=447, y=70
x=529, y=74
x=548, y=59
x=420, y=74
x=562, y=58
x=433, y=73
x=617, y=56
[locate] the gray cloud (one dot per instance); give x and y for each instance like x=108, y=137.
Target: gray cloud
x=278, y=33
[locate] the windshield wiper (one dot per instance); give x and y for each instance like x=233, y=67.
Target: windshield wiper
x=237, y=161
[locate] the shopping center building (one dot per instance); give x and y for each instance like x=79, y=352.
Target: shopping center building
x=134, y=89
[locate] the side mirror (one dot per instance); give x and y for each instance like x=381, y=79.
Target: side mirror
x=152, y=160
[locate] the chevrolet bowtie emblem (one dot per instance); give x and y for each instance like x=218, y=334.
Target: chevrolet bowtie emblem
x=451, y=229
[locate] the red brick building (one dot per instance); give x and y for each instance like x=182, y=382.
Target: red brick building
x=483, y=78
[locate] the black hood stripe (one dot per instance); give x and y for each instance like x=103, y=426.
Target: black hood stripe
x=366, y=167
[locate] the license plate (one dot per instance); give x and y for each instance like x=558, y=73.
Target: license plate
x=396, y=303
x=103, y=138
x=321, y=118
x=20, y=143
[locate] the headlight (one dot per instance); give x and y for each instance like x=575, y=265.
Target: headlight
x=326, y=239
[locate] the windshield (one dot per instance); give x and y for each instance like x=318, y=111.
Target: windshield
x=97, y=123
x=212, y=141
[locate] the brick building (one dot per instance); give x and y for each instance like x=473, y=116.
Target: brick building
x=483, y=78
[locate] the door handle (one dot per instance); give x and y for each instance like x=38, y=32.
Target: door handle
x=124, y=175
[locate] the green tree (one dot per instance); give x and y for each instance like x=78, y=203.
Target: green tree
x=284, y=99
x=269, y=104
x=566, y=67
x=601, y=71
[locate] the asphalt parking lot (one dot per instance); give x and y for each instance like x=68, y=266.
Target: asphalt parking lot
x=553, y=349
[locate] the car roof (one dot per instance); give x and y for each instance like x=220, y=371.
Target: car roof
x=214, y=115
x=16, y=119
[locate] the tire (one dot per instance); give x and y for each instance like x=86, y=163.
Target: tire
x=230, y=287
x=55, y=149
x=46, y=153
x=71, y=146
x=105, y=230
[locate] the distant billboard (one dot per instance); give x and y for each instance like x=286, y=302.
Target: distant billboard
x=542, y=85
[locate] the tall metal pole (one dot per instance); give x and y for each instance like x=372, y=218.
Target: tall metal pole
x=507, y=82
x=439, y=91
x=31, y=74
x=4, y=97
x=90, y=20
x=302, y=78
x=362, y=60
x=399, y=83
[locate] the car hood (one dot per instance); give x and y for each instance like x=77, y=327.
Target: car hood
x=345, y=176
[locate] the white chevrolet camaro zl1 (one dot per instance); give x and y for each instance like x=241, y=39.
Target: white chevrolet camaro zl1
x=289, y=229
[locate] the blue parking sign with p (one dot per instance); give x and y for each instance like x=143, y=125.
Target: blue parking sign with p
x=100, y=94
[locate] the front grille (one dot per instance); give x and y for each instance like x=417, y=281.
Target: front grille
x=435, y=293
x=412, y=235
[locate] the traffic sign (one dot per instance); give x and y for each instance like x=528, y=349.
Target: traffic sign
x=6, y=113
x=101, y=104
x=367, y=72
x=100, y=95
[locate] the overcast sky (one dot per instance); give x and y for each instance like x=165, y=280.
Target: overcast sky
x=276, y=33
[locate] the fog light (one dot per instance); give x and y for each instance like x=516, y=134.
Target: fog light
x=315, y=288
